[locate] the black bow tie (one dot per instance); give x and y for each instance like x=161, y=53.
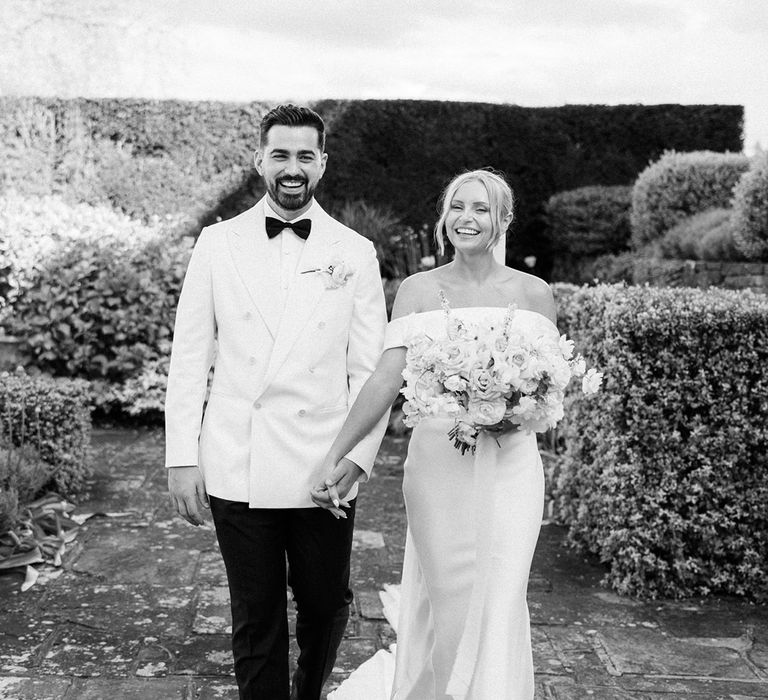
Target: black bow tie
x=300, y=228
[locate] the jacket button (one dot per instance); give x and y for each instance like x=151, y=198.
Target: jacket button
x=251, y=360
x=257, y=405
x=321, y=324
x=248, y=316
x=312, y=369
x=302, y=412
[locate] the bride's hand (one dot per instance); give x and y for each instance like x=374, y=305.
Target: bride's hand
x=331, y=493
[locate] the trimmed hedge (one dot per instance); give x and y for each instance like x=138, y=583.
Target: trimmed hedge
x=590, y=220
x=707, y=235
x=53, y=417
x=664, y=476
x=750, y=210
x=387, y=153
x=402, y=153
x=679, y=185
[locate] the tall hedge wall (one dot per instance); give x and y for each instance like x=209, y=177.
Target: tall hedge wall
x=393, y=153
x=400, y=153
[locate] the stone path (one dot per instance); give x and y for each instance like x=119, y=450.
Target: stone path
x=141, y=611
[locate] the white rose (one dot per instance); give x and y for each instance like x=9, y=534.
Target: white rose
x=486, y=412
x=455, y=383
x=340, y=273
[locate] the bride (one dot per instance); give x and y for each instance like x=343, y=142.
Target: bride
x=473, y=517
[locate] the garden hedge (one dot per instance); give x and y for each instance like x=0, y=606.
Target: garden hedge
x=586, y=223
x=197, y=156
x=143, y=157
x=707, y=235
x=663, y=476
x=401, y=153
x=750, y=210
x=679, y=185
x=53, y=417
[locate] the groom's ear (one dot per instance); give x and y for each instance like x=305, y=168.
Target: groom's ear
x=258, y=157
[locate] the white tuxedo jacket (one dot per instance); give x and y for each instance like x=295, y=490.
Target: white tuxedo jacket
x=284, y=379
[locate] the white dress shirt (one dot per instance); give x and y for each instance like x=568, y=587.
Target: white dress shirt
x=286, y=250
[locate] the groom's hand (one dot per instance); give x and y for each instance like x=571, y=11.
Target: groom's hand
x=187, y=491
x=331, y=494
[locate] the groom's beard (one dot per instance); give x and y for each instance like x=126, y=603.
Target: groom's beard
x=288, y=200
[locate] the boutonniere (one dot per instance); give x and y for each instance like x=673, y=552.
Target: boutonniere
x=336, y=273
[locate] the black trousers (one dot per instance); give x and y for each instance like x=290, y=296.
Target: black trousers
x=254, y=543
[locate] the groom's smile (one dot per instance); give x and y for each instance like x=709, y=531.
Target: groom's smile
x=291, y=163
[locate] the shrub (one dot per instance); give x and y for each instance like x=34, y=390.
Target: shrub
x=145, y=157
x=707, y=235
x=51, y=417
x=590, y=220
x=613, y=268
x=679, y=185
x=99, y=307
x=750, y=210
x=35, y=228
x=664, y=476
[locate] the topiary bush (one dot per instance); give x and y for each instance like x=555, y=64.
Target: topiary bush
x=664, y=477
x=679, y=185
x=52, y=418
x=707, y=235
x=750, y=210
x=590, y=221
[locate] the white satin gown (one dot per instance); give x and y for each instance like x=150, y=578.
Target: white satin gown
x=463, y=630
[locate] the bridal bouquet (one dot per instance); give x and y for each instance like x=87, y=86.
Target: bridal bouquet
x=490, y=376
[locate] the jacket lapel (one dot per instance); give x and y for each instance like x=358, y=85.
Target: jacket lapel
x=304, y=294
x=251, y=256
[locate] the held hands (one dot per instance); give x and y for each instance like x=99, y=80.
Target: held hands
x=331, y=493
x=187, y=492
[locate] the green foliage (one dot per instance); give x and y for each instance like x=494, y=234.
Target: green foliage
x=50, y=419
x=750, y=210
x=34, y=228
x=707, y=235
x=100, y=304
x=610, y=269
x=145, y=157
x=589, y=220
x=664, y=474
x=402, y=153
x=399, y=249
x=679, y=185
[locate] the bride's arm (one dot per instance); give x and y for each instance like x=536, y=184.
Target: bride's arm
x=374, y=399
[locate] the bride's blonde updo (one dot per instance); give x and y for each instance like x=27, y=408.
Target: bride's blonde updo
x=500, y=199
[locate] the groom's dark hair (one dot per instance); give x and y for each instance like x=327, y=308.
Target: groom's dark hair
x=291, y=115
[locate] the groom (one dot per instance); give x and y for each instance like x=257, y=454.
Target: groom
x=287, y=305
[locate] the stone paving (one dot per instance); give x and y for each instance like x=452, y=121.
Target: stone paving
x=140, y=610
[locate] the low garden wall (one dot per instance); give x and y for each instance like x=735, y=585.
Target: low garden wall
x=701, y=274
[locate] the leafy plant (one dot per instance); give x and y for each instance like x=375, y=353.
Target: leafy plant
x=750, y=210
x=679, y=185
x=664, y=478
x=707, y=235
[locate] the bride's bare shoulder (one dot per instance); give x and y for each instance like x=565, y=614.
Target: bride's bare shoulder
x=416, y=292
x=531, y=292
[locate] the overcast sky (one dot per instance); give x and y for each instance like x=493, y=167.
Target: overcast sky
x=532, y=52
